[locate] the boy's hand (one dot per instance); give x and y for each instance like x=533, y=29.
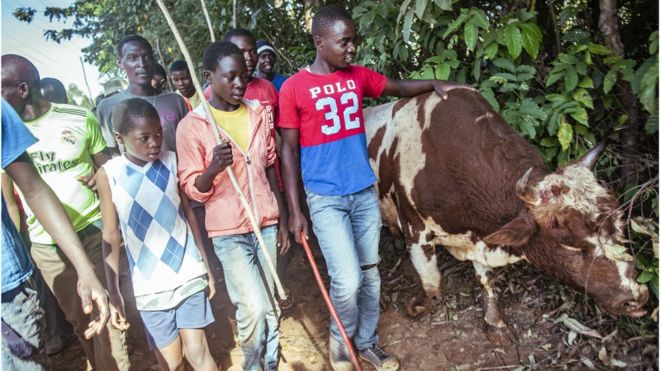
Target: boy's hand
x=442, y=88
x=222, y=157
x=88, y=180
x=283, y=241
x=117, y=313
x=92, y=294
x=211, y=286
x=297, y=223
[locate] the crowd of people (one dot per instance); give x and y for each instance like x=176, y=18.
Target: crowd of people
x=145, y=179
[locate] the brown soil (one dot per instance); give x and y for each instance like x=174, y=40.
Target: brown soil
x=450, y=337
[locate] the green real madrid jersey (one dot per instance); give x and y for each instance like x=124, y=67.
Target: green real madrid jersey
x=68, y=137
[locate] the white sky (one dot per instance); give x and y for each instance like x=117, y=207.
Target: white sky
x=60, y=61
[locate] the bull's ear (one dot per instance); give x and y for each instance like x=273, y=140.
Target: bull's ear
x=514, y=233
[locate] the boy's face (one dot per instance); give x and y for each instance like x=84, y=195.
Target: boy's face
x=183, y=83
x=266, y=62
x=336, y=46
x=249, y=49
x=229, y=80
x=137, y=60
x=159, y=82
x=143, y=141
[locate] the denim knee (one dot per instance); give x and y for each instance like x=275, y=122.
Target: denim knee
x=346, y=285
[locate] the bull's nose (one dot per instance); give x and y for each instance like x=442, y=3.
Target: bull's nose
x=634, y=308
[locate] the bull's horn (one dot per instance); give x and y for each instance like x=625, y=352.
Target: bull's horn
x=590, y=158
x=525, y=191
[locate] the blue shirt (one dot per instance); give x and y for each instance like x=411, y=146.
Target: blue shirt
x=278, y=80
x=16, y=264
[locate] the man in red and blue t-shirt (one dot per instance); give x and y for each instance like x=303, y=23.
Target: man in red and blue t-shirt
x=320, y=113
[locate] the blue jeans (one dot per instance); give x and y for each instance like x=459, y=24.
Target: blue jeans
x=21, y=311
x=251, y=289
x=348, y=230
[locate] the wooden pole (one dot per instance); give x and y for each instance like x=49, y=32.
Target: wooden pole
x=230, y=172
x=208, y=20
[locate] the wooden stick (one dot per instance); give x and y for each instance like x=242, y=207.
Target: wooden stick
x=208, y=20
x=230, y=172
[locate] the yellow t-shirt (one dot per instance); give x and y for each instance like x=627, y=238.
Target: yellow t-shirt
x=235, y=123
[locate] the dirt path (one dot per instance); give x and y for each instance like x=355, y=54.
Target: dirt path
x=451, y=336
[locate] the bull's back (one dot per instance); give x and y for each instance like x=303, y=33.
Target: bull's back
x=456, y=160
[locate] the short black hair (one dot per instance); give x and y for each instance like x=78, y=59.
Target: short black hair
x=238, y=32
x=218, y=50
x=58, y=94
x=130, y=39
x=326, y=18
x=179, y=66
x=159, y=70
x=127, y=112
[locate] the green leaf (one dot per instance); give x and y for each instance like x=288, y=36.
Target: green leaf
x=583, y=96
x=476, y=70
x=443, y=4
x=598, y=49
x=505, y=64
x=580, y=115
x=527, y=127
x=407, y=24
x=531, y=38
x=571, y=80
x=491, y=51
x=442, y=71
x=609, y=80
x=554, y=77
x=480, y=19
x=645, y=277
x=529, y=107
x=586, y=82
x=651, y=126
x=403, y=10
x=565, y=135
x=513, y=40
x=490, y=97
x=420, y=7
x=549, y=142
x=453, y=26
x=504, y=77
x=568, y=59
x=470, y=34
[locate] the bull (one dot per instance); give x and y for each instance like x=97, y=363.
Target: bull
x=454, y=173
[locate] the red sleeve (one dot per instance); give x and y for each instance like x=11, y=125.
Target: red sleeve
x=287, y=114
x=373, y=82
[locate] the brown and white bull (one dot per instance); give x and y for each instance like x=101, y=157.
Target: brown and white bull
x=454, y=173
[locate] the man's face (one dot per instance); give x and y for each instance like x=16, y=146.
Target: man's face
x=249, y=49
x=266, y=62
x=229, y=80
x=13, y=91
x=137, y=60
x=337, y=45
x=183, y=83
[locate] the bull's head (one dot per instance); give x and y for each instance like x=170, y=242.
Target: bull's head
x=572, y=229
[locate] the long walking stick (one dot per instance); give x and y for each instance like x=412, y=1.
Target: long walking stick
x=328, y=303
x=230, y=172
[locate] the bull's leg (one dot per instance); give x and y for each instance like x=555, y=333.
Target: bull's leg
x=496, y=329
x=425, y=262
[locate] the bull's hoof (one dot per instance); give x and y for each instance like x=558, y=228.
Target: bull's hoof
x=498, y=336
x=418, y=306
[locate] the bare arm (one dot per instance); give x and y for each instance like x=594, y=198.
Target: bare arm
x=197, y=235
x=411, y=88
x=48, y=209
x=291, y=177
x=90, y=180
x=111, y=251
x=10, y=200
x=283, y=232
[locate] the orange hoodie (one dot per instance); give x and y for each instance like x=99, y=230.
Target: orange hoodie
x=225, y=215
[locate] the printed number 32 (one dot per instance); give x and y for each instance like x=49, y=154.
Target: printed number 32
x=354, y=123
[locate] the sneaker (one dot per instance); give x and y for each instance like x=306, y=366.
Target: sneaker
x=338, y=354
x=379, y=358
